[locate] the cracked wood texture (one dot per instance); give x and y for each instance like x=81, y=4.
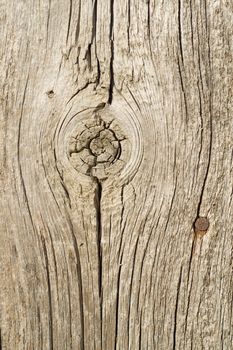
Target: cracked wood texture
x=116, y=135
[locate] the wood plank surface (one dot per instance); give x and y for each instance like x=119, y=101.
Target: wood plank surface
x=116, y=133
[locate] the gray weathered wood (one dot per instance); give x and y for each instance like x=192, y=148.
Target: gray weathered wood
x=116, y=134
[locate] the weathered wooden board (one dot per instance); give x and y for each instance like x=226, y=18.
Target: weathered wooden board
x=116, y=135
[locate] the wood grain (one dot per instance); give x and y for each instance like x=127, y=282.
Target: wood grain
x=98, y=249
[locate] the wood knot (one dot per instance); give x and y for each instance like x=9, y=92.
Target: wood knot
x=97, y=148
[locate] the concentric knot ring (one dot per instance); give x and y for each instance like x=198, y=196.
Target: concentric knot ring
x=96, y=150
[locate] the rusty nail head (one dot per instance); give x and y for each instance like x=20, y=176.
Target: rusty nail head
x=201, y=224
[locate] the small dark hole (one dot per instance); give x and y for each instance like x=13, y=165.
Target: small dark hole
x=50, y=93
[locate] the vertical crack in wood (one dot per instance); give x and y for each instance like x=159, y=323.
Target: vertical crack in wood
x=128, y=25
x=191, y=24
x=207, y=170
x=180, y=30
x=188, y=304
x=182, y=58
x=77, y=30
x=50, y=309
x=203, y=185
x=80, y=287
x=48, y=23
x=117, y=305
x=94, y=21
x=176, y=309
x=183, y=88
x=94, y=28
x=19, y=158
x=98, y=198
x=149, y=26
x=210, y=118
x=1, y=347
x=111, y=38
x=98, y=72
x=69, y=21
